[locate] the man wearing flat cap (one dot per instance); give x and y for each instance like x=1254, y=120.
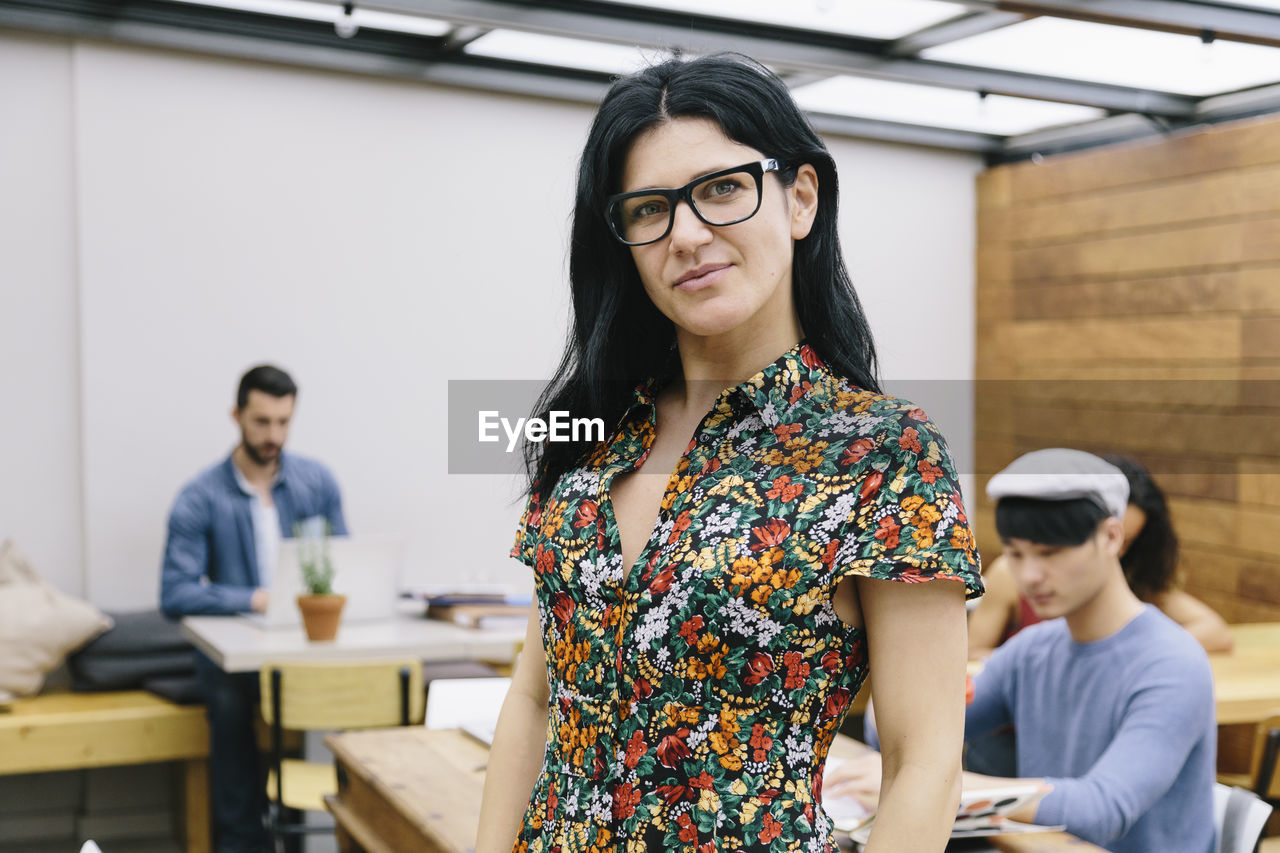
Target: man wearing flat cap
x=1112, y=701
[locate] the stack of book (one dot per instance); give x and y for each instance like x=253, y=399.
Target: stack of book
x=482, y=608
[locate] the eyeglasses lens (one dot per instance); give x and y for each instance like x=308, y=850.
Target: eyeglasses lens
x=722, y=200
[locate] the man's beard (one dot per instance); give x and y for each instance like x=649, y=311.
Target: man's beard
x=257, y=457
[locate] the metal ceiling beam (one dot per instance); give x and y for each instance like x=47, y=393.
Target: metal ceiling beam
x=1264, y=100
x=1237, y=105
x=908, y=134
x=321, y=48
x=458, y=38
x=311, y=44
x=972, y=24
x=779, y=47
x=1108, y=131
x=786, y=49
x=1234, y=23
x=221, y=31
x=180, y=24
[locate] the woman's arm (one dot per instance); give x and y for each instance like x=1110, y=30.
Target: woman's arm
x=519, y=741
x=916, y=642
x=997, y=608
x=1197, y=618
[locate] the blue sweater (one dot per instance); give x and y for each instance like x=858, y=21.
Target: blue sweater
x=210, y=560
x=1123, y=728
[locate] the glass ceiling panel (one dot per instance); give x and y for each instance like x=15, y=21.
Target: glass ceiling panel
x=908, y=103
x=556, y=50
x=1261, y=4
x=886, y=19
x=1123, y=56
x=331, y=12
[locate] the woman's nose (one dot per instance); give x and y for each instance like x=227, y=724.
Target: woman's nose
x=688, y=232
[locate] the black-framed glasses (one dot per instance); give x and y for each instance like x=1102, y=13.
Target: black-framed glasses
x=725, y=197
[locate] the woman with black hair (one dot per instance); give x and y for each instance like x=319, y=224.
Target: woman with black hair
x=1149, y=557
x=709, y=578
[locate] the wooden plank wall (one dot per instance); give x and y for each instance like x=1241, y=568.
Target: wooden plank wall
x=1129, y=300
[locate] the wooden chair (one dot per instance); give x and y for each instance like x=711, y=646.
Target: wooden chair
x=1266, y=754
x=1266, y=743
x=1262, y=778
x=326, y=697
x=1266, y=781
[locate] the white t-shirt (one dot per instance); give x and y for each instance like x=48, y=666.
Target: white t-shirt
x=266, y=528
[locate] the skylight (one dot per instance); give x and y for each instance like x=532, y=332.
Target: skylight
x=930, y=105
x=886, y=19
x=331, y=12
x=1119, y=55
x=555, y=50
x=1261, y=4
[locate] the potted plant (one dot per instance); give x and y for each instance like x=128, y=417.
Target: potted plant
x=321, y=608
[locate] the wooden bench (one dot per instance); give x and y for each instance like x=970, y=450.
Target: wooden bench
x=72, y=731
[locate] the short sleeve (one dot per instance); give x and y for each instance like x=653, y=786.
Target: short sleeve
x=908, y=522
x=525, y=547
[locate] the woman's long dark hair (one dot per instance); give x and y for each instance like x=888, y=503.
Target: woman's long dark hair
x=619, y=338
x=1151, y=562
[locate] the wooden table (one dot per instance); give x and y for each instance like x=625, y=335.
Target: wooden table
x=1246, y=684
x=419, y=789
x=407, y=789
x=239, y=645
x=1247, y=679
x=74, y=731
x=1256, y=637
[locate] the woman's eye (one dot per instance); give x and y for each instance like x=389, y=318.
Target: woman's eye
x=722, y=187
x=646, y=209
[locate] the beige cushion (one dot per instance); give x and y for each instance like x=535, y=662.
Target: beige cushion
x=39, y=626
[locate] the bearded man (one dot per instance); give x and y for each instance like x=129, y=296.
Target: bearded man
x=224, y=534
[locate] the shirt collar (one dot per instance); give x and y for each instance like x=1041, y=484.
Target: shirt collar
x=788, y=381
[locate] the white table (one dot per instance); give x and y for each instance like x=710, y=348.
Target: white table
x=238, y=645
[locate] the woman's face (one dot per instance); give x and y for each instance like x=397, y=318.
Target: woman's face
x=1134, y=519
x=712, y=280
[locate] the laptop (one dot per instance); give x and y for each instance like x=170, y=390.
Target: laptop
x=366, y=570
x=470, y=704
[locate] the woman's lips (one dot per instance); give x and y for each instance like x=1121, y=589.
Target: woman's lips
x=704, y=277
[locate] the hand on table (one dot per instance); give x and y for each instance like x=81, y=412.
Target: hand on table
x=261, y=598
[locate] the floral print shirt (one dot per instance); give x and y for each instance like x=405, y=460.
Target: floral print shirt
x=693, y=698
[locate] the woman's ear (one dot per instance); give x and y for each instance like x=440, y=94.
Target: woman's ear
x=804, y=201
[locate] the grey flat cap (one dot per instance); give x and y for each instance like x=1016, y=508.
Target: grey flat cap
x=1059, y=474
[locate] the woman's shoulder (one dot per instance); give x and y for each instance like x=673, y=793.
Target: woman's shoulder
x=841, y=405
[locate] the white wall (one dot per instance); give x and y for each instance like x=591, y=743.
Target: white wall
x=353, y=230
x=40, y=496
x=907, y=224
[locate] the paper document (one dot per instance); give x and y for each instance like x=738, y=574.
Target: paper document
x=982, y=812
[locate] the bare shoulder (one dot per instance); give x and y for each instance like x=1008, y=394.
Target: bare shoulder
x=999, y=581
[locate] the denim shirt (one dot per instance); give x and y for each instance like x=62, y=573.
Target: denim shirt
x=210, y=556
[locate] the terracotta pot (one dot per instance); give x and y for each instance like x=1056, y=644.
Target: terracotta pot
x=321, y=615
